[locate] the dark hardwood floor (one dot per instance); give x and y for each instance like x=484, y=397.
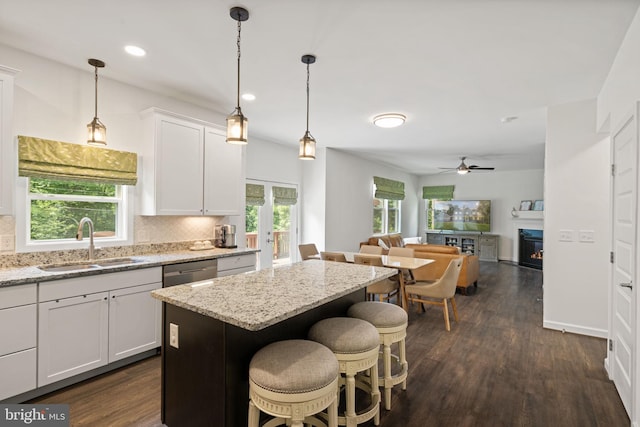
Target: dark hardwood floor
x=497, y=367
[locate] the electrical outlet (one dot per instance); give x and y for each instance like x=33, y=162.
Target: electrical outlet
x=586, y=236
x=173, y=335
x=566, y=235
x=6, y=243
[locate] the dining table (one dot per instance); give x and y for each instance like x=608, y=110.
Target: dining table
x=392, y=261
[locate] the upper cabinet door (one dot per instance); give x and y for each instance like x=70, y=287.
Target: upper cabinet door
x=223, y=175
x=179, y=167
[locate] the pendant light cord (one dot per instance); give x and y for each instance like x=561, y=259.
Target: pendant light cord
x=307, y=98
x=238, y=91
x=96, y=93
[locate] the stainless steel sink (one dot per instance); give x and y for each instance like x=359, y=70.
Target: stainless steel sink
x=116, y=262
x=67, y=267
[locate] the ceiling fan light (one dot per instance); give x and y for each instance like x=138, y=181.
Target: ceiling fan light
x=389, y=120
x=462, y=171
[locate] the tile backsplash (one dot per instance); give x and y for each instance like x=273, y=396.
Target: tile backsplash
x=152, y=234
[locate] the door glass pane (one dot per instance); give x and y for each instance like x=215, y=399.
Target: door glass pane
x=281, y=234
x=251, y=229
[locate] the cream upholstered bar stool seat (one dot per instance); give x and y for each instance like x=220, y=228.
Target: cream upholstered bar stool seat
x=294, y=380
x=355, y=343
x=391, y=322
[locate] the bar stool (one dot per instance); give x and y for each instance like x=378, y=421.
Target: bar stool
x=355, y=344
x=391, y=322
x=293, y=380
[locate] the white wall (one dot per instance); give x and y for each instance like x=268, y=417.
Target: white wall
x=349, y=199
x=577, y=179
x=504, y=189
x=314, y=208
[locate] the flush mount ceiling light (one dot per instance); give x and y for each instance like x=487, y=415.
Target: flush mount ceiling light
x=237, y=123
x=307, y=142
x=135, y=50
x=389, y=120
x=96, y=130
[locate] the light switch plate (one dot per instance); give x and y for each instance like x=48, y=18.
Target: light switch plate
x=586, y=236
x=173, y=335
x=566, y=235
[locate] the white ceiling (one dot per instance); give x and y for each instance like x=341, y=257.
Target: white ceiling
x=453, y=67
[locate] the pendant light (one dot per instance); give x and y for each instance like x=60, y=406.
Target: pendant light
x=237, y=123
x=97, y=132
x=307, y=142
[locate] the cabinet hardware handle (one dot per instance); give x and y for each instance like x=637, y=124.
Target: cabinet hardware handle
x=627, y=285
x=105, y=298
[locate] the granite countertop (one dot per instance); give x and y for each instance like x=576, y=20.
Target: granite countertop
x=31, y=274
x=259, y=299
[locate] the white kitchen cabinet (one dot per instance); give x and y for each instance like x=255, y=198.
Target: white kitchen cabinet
x=188, y=168
x=228, y=266
x=88, y=322
x=18, y=318
x=7, y=151
x=135, y=321
x=73, y=336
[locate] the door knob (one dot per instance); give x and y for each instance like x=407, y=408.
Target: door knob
x=627, y=285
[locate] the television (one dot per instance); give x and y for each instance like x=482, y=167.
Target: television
x=462, y=215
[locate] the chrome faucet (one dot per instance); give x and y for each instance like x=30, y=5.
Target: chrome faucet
x=79, y=234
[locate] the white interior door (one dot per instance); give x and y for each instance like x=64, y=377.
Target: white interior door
x=623, y=296
x=273, y=228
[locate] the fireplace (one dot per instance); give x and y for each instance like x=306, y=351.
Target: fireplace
x=530, y=248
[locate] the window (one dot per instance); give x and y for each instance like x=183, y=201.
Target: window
x=55, y=208
x=386, y=216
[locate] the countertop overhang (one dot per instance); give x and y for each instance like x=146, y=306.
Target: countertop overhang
x=31, y=274
x=259, y=299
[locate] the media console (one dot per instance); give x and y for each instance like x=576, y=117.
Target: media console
x=485, y=246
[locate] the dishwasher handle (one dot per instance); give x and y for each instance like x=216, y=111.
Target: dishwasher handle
x=188, y=271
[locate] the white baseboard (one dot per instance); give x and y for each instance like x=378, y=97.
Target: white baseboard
x=575, y=329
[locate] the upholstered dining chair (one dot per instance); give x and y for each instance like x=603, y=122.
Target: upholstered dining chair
x=307, y=250
x=438, y=292
x=333, y=256
x=405, y=252
x=371, y=249
x=385, y=289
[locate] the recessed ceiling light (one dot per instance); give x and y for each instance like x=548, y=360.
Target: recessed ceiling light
x=248, y=97
x=389, y=120
x=135, y=50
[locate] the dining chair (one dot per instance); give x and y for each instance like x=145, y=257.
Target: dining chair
x=385, y=289
x=438, y=292
x=407, y=253
x=333, y=256
x=307, y=250
x=371, y=249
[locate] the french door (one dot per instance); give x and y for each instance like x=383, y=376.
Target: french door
x=622, y=351
x=273, y=227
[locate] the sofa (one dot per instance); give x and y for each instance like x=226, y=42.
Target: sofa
x=441, y=254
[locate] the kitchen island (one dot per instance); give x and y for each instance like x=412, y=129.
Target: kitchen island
x=221, y=323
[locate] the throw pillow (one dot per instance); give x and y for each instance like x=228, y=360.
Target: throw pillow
x=383, y=245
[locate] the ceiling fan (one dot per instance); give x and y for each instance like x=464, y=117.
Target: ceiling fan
x=462, y=168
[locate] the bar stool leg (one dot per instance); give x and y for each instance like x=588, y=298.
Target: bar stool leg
x=254, y=415
x=375, y=395
x=388, y=384
x=350, y=394
x=402, y=352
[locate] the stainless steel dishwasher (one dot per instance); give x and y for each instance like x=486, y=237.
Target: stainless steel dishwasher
x=187, y=272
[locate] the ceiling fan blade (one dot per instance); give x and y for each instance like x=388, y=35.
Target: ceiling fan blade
x=476, y=168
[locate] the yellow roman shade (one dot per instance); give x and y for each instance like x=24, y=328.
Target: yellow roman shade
x=43, y=158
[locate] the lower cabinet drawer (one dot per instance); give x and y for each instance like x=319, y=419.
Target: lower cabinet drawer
x=234, y=262
x=18, y=372
x=233, y=271
x=18, y=328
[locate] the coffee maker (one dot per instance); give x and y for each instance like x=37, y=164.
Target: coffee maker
x=225, y=236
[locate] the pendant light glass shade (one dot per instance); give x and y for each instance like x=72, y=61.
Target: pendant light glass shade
x=307, y=147
x=237, y=123
x=307, y=142
x=96, y=130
